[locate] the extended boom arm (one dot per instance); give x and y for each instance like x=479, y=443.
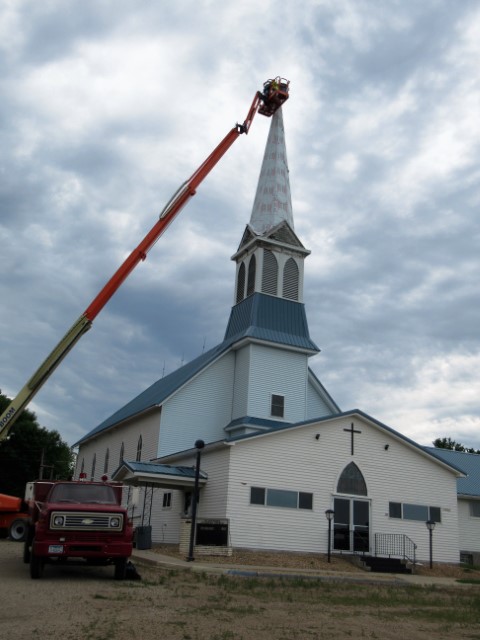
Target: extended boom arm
x=275, y=93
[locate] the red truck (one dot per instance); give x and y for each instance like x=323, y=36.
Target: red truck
x=13, y=517
x=77, y=521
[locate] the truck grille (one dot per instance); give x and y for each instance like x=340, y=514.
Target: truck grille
x=84, y=521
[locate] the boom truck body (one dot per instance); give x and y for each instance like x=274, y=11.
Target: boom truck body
x=77, y=521
x=13, y=517
x=267, y=102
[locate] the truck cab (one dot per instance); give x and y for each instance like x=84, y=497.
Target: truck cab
x=77, y=521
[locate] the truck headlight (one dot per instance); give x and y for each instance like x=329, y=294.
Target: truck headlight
x=59, y=521
x=114, y=523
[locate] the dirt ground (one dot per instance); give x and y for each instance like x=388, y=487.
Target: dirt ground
x=86, y=603
x=317, y=562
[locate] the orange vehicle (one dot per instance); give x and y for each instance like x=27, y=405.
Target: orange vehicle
x=13, y=517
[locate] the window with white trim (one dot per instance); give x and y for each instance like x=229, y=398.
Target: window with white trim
x=94, y=462
x=139, y=449
x=167, y=500
x=475, y=509
x=420, y=512
x=105, y=464
x=281, y=498
x=277, y=408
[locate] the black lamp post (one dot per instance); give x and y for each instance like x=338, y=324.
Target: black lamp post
x=329, y=513
x=431, y=526
x=199, y=444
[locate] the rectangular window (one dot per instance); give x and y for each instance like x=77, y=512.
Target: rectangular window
x=418, y=512
x=305, y=500
x=281, y=498
x=475, y=509
x=395, y=509
x=167, y=500
x=415, y=512
x=278, y=406
x=435, y=514
x=257, y=495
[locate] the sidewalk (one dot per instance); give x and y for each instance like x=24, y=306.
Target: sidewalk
x=168, y=562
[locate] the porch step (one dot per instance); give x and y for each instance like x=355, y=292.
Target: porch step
x=386, y=565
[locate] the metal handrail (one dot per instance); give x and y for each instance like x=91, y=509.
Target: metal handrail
x=395, y=544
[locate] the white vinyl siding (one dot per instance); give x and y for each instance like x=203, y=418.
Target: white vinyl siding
x=316, y=405
x=469, y=527
x=129, y=433
x=280, y=372
x=201, y=409
x=400, y=474
x=242, y=375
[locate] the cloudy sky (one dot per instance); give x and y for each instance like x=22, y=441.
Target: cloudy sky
x=109, y=105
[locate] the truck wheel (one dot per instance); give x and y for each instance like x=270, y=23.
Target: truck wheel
x=120, y=568
x=18, y=530
x=36, y=566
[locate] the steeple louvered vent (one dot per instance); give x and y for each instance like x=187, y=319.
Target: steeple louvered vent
x=240, y=283
x=290, y=280
x=251, y=276
x=270, y=273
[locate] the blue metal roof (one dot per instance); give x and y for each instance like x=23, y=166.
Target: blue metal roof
x=469, y=463
x=271, y=319
x=159, y=469
x=262, y=423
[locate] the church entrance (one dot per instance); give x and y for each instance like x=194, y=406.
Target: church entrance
x=351, y=525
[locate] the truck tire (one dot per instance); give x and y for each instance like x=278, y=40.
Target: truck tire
x=18, y=530
x=36, y=566
x=120, y=568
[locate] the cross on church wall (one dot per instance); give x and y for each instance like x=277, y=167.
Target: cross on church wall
x=352, y=431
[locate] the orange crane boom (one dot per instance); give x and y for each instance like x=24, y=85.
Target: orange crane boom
x=275, y=93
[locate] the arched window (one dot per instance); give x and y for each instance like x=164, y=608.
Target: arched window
x=290, y=280
x=122, y=453
x=94, y=462
x=251, y=276
x=352, y=481
x=241, y=283
x=107, y=456
x=139, y=449
x=270, y=273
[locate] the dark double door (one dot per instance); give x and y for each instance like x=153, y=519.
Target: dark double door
x=351, y=525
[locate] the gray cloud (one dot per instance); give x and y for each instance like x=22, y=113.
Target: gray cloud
x=108, y=108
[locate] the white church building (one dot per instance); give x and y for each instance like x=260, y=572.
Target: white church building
x=279, y=453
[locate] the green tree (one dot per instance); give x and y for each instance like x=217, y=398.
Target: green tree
x=22, y=453
x=448, y=443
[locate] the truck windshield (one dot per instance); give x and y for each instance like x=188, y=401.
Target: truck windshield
x=98, y=493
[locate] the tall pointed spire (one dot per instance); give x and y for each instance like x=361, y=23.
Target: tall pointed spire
x=273, y=202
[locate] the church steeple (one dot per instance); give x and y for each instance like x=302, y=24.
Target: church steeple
x=273, y=202
x=270, y=256
x=270, y=260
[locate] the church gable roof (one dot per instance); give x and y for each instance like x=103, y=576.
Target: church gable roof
x=281, y=234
